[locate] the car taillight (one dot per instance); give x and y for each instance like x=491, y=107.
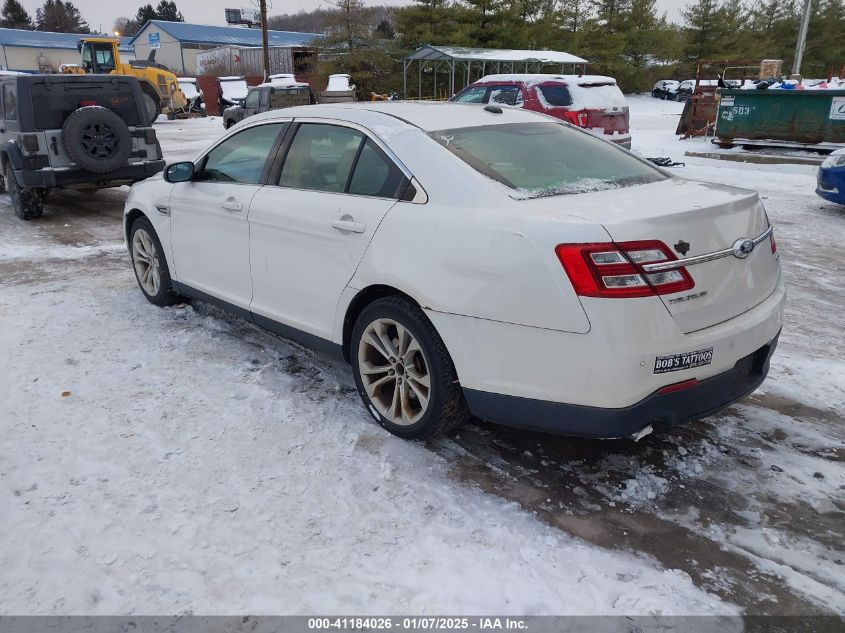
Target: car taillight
x=774, y=244
x=578, y=118
x=678, y=386
x=30, y=142
x=614, y=270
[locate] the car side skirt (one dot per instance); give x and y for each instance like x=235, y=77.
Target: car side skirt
x=658, y=410
x=316, y=343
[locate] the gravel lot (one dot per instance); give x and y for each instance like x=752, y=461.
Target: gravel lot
x=184, y=461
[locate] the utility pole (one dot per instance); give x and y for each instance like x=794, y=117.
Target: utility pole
x=802, y=38
x=262, y=5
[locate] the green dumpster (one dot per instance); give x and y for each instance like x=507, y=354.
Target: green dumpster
x=781, y=117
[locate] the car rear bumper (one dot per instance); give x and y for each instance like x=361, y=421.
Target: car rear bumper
x=660, y=410
x=51, y=178
x=622, y=142
x=610, y=367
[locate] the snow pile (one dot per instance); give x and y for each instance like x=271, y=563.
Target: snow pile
x=642, y=489
x=234, y=88
x=189, y=88
x=339, y=83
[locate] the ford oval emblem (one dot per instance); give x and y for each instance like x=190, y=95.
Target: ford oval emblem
x=742, y=248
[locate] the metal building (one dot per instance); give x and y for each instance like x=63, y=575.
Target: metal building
x=460, y=66
x=178, y=44
x=248, y=60
x=42, y=51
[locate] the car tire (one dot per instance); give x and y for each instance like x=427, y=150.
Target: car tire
x=150, y=265
x=403, y=371
x=27, y=202
x=97, y=139
x=152, y=107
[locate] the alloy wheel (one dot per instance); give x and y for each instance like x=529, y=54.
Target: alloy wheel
x=394, y=371
x=99, y=141
x=145, y=261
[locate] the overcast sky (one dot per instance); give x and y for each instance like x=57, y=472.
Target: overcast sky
x=101, y=14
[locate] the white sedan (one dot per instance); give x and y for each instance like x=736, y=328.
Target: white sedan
x=473, y=261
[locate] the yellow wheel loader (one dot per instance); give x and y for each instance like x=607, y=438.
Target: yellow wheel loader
x=101, y=56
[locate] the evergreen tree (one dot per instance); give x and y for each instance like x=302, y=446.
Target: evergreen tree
x=14, y=16
x=145, y=13
x=166, y=10
x=484, y=22
x=573, y=14
x=825, y=50
x=385, y=30
x=427, y=22
x=60, y=17
x=702, y=29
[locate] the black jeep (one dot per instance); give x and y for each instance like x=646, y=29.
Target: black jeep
x=72, y=132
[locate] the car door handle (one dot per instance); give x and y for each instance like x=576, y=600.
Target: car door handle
x=349, y=225
x=232, y=205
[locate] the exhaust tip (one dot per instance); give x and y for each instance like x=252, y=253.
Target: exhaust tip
x=646, y=430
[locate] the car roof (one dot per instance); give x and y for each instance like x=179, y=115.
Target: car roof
x=534, y=79
x=403, y=114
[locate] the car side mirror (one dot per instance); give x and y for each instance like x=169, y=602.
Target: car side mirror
x=179, y=172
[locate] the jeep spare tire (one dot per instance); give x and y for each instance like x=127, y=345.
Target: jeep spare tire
x=97, y=139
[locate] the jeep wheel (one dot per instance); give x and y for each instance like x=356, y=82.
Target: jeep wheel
x=28, y=202
x=97, y=139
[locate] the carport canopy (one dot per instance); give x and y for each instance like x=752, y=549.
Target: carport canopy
x=467, y=62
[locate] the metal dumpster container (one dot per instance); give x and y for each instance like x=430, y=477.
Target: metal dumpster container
x=781, y=118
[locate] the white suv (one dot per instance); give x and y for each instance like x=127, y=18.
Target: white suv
x=473, y=260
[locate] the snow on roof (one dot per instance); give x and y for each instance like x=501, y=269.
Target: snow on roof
x=226, y=35
x=538, y=78
x=46, y=39
x=494, y=55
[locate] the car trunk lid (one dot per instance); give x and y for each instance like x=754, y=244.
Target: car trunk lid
x=695, y=220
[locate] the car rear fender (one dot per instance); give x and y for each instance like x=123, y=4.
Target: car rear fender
x=478, y=263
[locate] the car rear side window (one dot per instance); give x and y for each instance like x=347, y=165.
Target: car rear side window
x=321, y=157
x=556, y=96
x=545, y=159
x=375, y=174
x=241, y=158
x=10, y=102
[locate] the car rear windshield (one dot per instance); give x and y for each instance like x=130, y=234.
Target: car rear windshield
x=54, y=105
x=545, y=159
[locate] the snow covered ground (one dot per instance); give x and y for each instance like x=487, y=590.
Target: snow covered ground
x=184, y=461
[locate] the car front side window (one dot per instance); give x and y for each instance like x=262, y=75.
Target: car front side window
x=321, y=157
x=252, y=99
x=242, y=157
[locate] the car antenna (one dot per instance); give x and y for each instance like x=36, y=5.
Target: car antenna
x=493, y=109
